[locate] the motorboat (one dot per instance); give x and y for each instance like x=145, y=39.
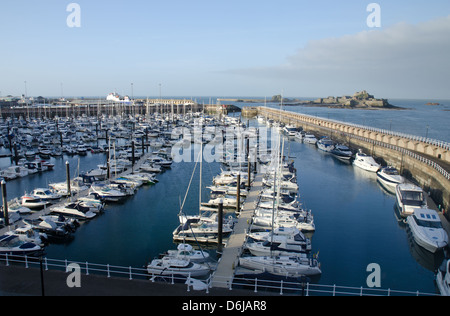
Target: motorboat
x=12, y=218
x=105, y=192
x=54, y=230
x=98, y=173
x=28, y=234
x=226, y=200
x=289, y=186
x=68, y=223
x=145, y=178
x=298, y=136
x=366, y=162
x=389, y=177
x=227, y=189
x=186, y=251
x=46, y=195
x=409, y=197
x=300, y=221
x=309, y=139
x=291, y=266
x=194, y=229
x=75, y=210
x=12, y=244
x=81, y=150
x=33, y=202
x=443, y=278
x=160, y=161
x=76, y=186
x=14, y=172
x=169, y=266
x=426, y=228
x=325, y=144
x=150, y=167
x=278, y=245
x=292, y=234
x=290, y=130
x=342, y=152
x=228, y=177
x=15, y=206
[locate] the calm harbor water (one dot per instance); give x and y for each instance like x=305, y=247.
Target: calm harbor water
x=355, y=218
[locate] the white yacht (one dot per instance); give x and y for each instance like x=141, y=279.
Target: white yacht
x=105, y=192
x=278, y=245
x=298, y=136
x=98, y=173
x=196, y=228
x=325, y=144
x=46, y=195
x=409, y=197
x=390, y=178
x=33, y=202
x=342, y=152
x=299, y=221
x=289, y=266
x=150, y=167
x=443, y=278
x=186, y=251
x=76, y=186
x=168, y=266
x=28, y=234
x=309, y=139
x=75, y=210
x=290, y=130
x=12, y=244
x=427, y=230
x=366, y=162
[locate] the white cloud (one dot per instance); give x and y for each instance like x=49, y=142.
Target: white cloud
x=400, y=61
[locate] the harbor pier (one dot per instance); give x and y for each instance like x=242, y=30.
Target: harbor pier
x=223, y=276
x=421, y=160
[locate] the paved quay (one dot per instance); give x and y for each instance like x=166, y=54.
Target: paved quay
x=21, y=281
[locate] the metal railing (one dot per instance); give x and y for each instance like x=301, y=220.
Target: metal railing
x=252, y=284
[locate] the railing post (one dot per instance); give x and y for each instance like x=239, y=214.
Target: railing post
x=26, y=261
x=87, y=269
x=46, y=265
x=334, y=290
x=131, y=278
x=107, y=267
x=7, y=262
x=256, y=285
x=188, y=281
x=281, y=287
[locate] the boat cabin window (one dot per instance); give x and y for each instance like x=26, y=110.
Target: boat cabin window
x=413, y=196
x=427, y=223
x=391, y=171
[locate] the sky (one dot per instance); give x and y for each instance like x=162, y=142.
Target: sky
x=220, y=48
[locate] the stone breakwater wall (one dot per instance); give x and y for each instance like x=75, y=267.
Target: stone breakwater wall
x=423, y=161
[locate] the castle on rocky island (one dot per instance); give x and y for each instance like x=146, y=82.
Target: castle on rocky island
x=359, y=99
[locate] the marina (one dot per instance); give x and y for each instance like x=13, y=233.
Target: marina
x=142, y=225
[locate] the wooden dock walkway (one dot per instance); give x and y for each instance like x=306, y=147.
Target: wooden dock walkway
x=223, y=276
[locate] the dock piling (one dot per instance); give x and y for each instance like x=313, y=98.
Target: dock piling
x=5, y=203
